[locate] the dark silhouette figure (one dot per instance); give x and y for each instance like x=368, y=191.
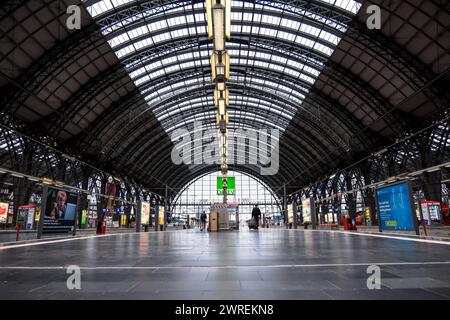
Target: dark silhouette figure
x=203, y=221
x=256, y=214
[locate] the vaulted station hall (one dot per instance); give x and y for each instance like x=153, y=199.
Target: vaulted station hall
x=225, y=149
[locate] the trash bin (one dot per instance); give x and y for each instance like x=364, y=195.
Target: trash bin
x=305, y=225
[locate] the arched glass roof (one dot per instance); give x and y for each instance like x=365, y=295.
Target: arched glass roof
x=201, y=193
x=132, y=30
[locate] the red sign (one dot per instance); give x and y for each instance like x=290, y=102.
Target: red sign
x=3, y=211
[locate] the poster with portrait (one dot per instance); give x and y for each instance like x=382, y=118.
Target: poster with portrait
x=60, y=211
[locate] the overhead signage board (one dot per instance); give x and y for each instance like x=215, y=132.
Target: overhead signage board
x=60, y=212
x=309, y=212
x=395, y=207
x=231, y=188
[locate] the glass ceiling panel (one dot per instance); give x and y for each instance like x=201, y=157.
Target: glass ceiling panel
x=155, y=26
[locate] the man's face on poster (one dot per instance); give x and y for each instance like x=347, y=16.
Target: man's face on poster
x=61, y=198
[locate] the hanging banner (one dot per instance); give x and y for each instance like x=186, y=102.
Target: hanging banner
x=60, y=210
x=231, y=186
x=395, y=207
x=145, y=213
x=4, y=212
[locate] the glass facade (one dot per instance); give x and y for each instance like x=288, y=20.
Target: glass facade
x=202, y=193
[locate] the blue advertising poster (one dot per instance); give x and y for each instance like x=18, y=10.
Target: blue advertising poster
x=394, y=207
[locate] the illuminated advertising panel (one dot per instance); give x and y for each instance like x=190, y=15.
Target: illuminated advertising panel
x=4, y=212
x=395, y=207
x=306, y=210
x=145, y=213
x=290, y=210
x=60, y=211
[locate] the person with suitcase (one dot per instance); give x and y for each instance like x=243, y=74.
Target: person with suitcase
x=256, y=214
x=203, y=221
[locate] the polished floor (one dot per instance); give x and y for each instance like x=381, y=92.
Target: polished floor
x=251, y=265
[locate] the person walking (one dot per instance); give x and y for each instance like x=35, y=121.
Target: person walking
x=203, y=221
x=256, y=214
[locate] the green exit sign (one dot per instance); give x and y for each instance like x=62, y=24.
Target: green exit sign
x=230, y=186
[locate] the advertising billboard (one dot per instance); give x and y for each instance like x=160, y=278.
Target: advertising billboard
x=4, y=212
x=395, y=207
x=290, y=210
x=231, y=187
x=60, y=211
x=145, y=213
x=306, y=210
x=309, y=212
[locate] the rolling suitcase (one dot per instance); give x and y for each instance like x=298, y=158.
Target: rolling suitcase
x=252, y=224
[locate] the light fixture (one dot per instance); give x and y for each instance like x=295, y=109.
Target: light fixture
x=220, y=86
x=18, y=175
x=220, y=67
x=218, y=14
x=222, y=107
x=219, y=26
x=47, y=181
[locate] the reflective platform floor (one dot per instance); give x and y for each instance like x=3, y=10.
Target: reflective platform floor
x=250, y=265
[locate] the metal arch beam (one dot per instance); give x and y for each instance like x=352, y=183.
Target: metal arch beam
x=53, y=60
x=86, y=141
x=321, y=9
x=157, y=152
x=290, y=79
x=271, y=181
x=138, y=124
x=156, y=163
x=146, y=20
x=163, y=169
x=86, y=94
x=372, y=98
x=113, y=142
x=287, y=152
